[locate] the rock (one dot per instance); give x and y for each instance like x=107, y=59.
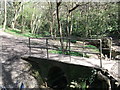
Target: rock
x=106, y=42
x=116, y=52
x=117, y=57
x=116, y=48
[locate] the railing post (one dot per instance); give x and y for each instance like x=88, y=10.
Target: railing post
x=29, y=47
x=83, y=48
x=110, y=48
x=69, y=48
x=47, y=48
x=100, y=53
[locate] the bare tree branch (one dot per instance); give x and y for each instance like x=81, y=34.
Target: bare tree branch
x=74, y=8
x=58, y=2
x=77, y=5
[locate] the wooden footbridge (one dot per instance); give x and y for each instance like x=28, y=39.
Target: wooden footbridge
x=50, y=63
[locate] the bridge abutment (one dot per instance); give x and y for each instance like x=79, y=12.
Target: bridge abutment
x=59, y=74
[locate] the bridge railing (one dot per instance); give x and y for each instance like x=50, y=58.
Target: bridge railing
x=48, y=46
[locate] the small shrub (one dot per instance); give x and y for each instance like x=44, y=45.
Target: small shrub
x=73, y=41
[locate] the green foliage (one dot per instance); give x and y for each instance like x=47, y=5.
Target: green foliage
x=81, y=82
x=0, y=26
x=74, y=53
x=91, y=46
x=76, y=85
x=73, y=41
x=68, y=53
x=18, y=32
x=94, y=48
x=45, y=33
x=100, y=19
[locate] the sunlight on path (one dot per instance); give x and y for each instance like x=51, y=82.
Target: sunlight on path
x=2, y=33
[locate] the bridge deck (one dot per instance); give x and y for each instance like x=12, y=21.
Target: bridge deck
x=112, y=66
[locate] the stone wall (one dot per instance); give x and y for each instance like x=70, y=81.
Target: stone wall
x=56, y=72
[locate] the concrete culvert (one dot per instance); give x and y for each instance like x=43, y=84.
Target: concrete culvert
x=56, y=78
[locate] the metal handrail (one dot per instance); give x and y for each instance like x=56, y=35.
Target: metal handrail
x=47, y=46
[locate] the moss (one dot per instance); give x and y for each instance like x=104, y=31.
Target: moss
x=35, y=72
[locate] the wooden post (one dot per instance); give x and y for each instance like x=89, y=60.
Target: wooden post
x=47, y=48
x=100, y=53
x=29, y=47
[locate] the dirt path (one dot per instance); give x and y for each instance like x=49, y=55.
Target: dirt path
x=13, y=68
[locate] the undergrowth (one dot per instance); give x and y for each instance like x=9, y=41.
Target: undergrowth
x=72, y=53
x=19, y=33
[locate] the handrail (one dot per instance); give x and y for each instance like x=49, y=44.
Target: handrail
x=61, y=38
x=47, y=46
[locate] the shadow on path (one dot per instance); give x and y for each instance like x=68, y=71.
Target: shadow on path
x=13, y=68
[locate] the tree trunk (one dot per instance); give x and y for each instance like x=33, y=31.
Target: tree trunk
x=32, y=20
x=55, y=33
x=23, y=21
x=71, y=25
x=34, y=25
x=59, y=26
x=5, y=17
x=51, y=29
x=52, y=19
x=68, y=30
x=17, y=11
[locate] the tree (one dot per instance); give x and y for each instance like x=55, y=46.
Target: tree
x=63, y=19
x=59, y=25
x=5, y=14
x=17, y=9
